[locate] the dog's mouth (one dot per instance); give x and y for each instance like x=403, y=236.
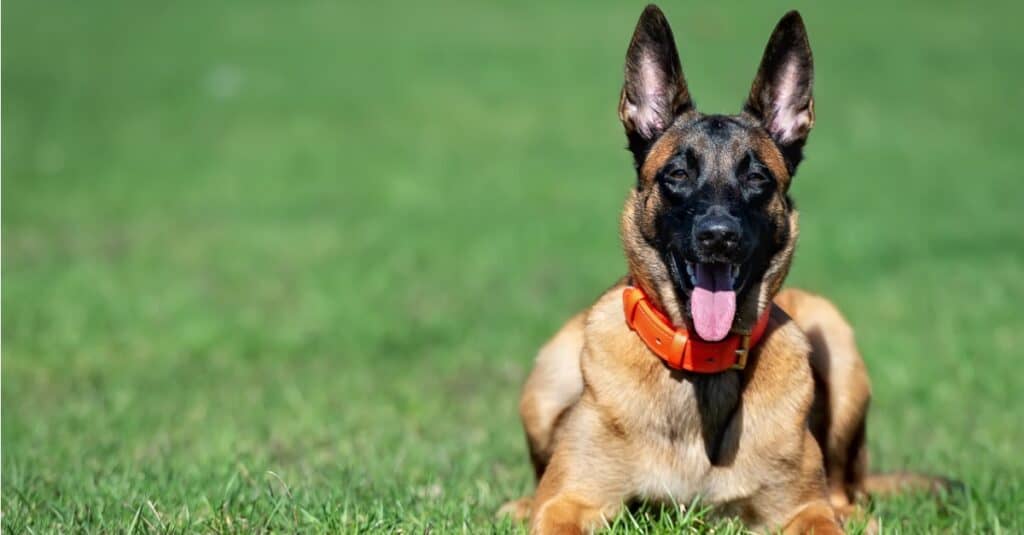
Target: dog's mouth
x=712, y=288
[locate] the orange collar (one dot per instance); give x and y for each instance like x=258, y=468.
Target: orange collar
x=677, y=348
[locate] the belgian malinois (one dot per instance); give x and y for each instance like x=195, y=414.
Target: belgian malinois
x=693, y=376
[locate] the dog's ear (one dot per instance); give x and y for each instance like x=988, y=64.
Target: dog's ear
x=781, y=95
x=654, y=93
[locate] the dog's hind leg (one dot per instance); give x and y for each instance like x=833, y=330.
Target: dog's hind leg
x=898, y=482
x=839, y=415
x=553, y=387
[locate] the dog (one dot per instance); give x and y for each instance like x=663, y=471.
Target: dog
x=694, y=375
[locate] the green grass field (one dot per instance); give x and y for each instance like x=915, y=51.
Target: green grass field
x=283, y=267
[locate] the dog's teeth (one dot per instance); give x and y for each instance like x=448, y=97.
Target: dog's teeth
x=734, y=273
x=691, y=273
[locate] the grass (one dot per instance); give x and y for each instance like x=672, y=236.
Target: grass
x=283, y=266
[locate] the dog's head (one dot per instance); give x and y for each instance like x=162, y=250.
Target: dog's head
x=709, y=229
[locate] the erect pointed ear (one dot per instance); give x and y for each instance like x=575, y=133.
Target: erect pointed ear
x=654, y=93
x=781, y=95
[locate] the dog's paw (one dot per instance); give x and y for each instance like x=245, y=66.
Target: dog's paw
x=856, y=519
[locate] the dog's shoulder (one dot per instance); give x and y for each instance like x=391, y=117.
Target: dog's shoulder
x=606, y=313
x=605, y=331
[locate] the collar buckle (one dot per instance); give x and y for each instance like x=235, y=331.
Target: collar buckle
x=741, y=354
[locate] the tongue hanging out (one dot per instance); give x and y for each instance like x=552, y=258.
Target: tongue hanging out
x=713, y=302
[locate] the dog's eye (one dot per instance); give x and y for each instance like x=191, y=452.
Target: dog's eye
x=678, y=174
x=754, y=177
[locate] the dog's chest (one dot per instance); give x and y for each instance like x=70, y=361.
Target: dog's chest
x=683, y=438
x=673, y=473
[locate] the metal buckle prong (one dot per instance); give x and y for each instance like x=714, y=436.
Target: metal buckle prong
x=741, y=353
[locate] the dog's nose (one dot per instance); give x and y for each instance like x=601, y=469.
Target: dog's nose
x=718, y=234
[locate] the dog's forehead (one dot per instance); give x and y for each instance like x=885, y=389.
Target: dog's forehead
x=719, y=142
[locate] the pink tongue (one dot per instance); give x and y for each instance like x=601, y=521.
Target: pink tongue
x=713, y=302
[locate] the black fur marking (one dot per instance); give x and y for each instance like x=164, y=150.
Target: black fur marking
x=718, y=127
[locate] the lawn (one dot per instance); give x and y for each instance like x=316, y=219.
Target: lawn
x=283, y=267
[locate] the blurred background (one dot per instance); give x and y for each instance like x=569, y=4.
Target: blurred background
x=284, y=266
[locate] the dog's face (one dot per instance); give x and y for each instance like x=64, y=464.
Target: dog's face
x=709, y=230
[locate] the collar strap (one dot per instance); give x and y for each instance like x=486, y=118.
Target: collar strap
x=677, y=348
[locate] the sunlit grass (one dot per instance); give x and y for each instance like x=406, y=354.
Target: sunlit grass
x=283, y=267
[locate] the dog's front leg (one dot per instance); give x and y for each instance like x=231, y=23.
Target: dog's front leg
x=571, y=499
x=584, y=485
x=805, y=494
